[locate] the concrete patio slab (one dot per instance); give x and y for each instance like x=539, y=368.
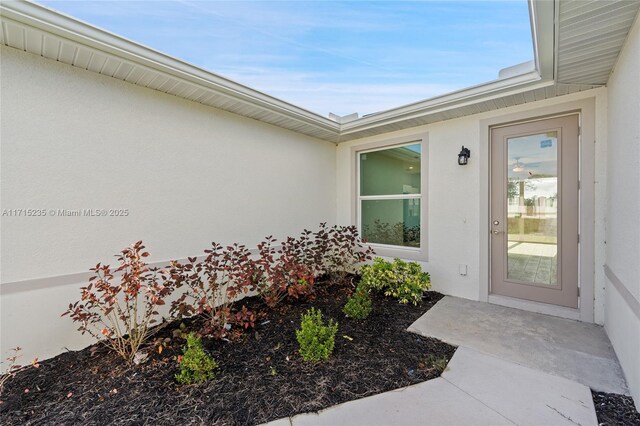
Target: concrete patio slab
x=523, y=395
x=436, y=402
x=571, y=349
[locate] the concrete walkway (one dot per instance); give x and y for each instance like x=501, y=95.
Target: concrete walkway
x=567, y=348
x=511, y=367
x=475, y=389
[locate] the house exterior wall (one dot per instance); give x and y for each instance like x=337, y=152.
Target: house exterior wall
x=188, y=174
x=455, y=194
x=78, y=140
x=622, y=320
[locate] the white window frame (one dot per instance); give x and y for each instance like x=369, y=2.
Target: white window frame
x=387, y=250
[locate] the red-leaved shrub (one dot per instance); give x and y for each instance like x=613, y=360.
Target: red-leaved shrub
x=306, y=251
x=244, y=318
x=343, y=249
x=293, y=269
x=334, y=250
x=213, y=284
x=14, y=368
x=121, y=314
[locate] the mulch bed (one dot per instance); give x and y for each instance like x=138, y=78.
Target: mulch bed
x=613, y=409
x=261, y=376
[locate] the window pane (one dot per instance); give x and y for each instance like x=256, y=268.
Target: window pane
x=532, y=207
x=395, y=222
x=391, y=171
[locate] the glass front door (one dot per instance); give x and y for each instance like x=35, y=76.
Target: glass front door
x=534, y=211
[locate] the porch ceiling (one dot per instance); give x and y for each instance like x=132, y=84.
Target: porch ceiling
x=576, y=44
x=590, y=37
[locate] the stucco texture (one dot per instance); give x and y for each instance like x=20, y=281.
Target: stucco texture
x=623, y=209
x=188, y=174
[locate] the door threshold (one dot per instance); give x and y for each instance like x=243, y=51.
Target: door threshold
x=537, y=307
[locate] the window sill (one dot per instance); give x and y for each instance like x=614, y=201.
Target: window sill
x=408, y=253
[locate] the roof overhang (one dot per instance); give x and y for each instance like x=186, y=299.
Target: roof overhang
x=36, y=29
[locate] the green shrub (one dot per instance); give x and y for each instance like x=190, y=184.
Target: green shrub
x=358, y=306
x=403, y=280
x=196, y=365
x=315, y=338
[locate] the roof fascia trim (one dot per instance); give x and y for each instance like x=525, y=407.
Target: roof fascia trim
x=463, y=97
x=544, y=33
x=543, y=28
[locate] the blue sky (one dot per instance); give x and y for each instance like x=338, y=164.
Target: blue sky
x=339, y=57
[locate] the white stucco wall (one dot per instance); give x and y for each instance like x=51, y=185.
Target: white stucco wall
x=623, y=212
x=454, y=194
x=189, y=174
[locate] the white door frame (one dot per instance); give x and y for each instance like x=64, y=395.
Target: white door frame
x=586, y=109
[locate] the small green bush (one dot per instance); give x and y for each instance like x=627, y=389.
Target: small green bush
x=359, y=305
x=315, y=338
x=403, y=280
x=196, y=365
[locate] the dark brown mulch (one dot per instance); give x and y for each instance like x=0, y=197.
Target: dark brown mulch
x=261, y=377
x=613, y=409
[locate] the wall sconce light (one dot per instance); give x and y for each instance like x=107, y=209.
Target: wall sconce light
x=463, y=157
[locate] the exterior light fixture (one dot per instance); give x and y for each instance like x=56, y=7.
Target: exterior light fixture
x=463, y=157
